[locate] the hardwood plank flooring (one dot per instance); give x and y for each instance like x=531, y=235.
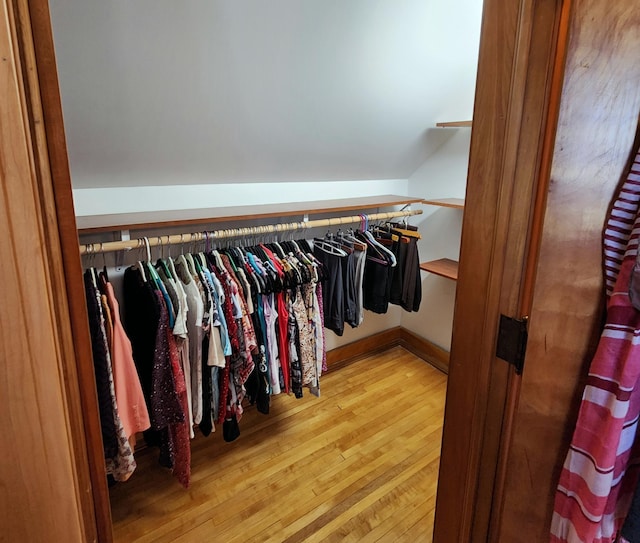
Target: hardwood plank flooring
x=360, y=463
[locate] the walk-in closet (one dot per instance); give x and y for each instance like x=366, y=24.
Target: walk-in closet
x=265, y=168
x=259, y=257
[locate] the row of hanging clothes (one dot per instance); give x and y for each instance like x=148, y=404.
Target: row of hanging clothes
x=205, y=331
x=369, y=269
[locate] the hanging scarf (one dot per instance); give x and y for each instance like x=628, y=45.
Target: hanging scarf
x=600, y=470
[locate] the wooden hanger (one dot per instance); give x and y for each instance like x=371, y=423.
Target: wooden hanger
x=408, y=233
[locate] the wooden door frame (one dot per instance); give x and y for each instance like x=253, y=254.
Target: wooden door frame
x=519, y=84
x=40, y=79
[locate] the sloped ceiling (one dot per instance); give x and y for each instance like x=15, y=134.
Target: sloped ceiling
x=209, y=91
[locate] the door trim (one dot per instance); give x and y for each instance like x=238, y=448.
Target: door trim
x=520, y=64
x=531, y=258
x=47, y=132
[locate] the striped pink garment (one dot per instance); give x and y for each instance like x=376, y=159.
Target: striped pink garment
x=619, y=225
x=597, y=483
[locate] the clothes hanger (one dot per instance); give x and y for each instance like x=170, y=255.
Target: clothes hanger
x=261, y=273
x=191, y=266
x=210, y=267
x=369, y=236
x=330, y=237
x=181, y=265
x=199, y=259
x=218, y=260
x=173, y=264
x=152, y=271
x=408, y=233
x=342, y=243
x=206, y=241
x=212, y=255
x=328, y=247
x=197, y=264
x=304, y=270
x=302, y=255
x=102, y=277
x=229, y=254
x=155, y=277
x=374, y=248
x=92, y=270
x=278, y=249
x=192, y=257
x=104, y=263
x=251, y=260
x=139, y=263
x=161, y=261
x=389, y=254
x=364, y=222
x=306, y=259
x=276, y=274
x=357, y=244
x=237, y=255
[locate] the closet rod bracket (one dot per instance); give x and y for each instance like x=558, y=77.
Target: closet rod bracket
x=125, y=235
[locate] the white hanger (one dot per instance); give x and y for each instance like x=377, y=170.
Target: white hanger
x=218, y=260
x=152, y=271
x=140, y=265
x=328, y=247
x=148, y=246
x=391, y=256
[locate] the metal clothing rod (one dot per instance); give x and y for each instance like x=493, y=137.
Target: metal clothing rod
x=175, y=239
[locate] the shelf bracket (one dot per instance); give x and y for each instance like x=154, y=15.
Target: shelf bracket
x=125, y=235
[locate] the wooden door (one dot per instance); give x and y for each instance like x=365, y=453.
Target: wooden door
x=594, y=145
x=532, y=245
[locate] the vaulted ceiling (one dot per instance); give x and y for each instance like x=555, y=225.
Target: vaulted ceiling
x=211, y=91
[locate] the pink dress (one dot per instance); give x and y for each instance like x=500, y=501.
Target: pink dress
x=132, y=408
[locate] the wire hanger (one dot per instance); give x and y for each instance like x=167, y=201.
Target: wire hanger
x=92, y=271
x=104, y=263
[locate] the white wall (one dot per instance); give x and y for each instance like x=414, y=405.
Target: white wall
x=372, y=324
x=159, y=92
x=443, y=175
x=206, y=103
x=108, y=200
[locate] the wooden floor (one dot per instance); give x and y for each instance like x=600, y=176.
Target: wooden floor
x=358, y=464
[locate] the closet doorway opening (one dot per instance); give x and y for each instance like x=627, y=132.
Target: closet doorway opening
x=219, y=106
